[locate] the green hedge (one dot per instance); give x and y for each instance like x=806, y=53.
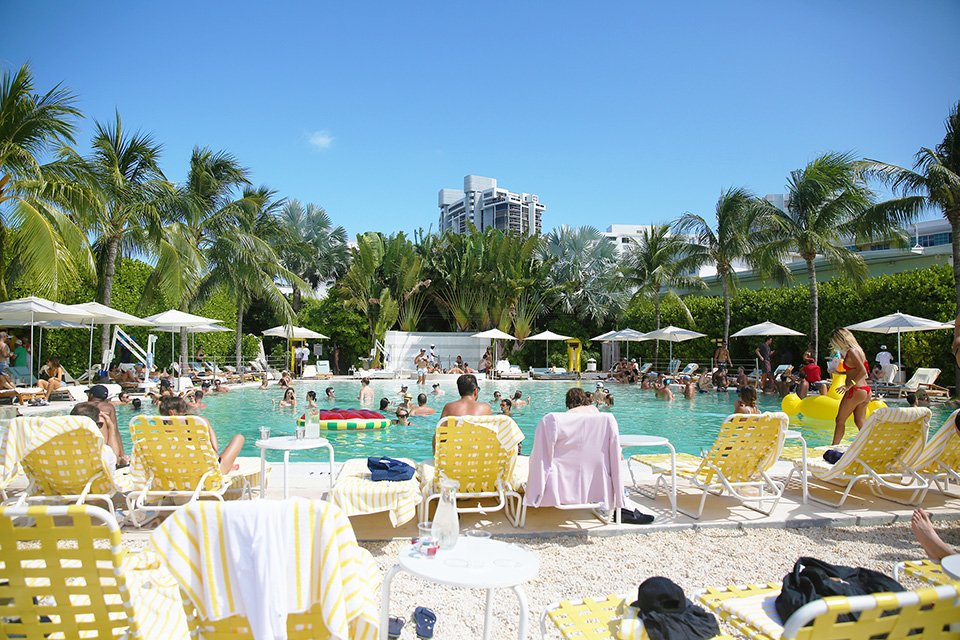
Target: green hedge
x=928, y=293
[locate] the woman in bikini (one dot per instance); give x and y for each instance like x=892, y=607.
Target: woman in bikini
x=856, y=393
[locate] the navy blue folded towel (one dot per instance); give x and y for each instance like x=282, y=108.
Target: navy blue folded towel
x=383, y=468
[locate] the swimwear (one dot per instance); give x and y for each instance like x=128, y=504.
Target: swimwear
x=867, y=389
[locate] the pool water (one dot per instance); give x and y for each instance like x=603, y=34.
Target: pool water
x=691, y=425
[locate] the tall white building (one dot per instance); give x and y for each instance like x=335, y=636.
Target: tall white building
x=485, y=205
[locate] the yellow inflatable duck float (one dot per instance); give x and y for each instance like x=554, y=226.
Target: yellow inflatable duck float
x=822, y=407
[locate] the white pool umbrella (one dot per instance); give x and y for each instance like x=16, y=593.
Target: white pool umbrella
x=547, y=336
x=626, y=335
x=673, y=334
x=899, y=323
x=294, y=333
x=602, y=337
x=33, y=309
x=177, y=319
x=493, y=334
x=766, y=329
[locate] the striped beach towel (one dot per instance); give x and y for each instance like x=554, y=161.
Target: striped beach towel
x=259, y=565
x=356, y=494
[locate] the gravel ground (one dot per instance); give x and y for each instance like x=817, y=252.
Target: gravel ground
x=572, y=567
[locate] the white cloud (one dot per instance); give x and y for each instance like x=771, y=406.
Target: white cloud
x=321, y=139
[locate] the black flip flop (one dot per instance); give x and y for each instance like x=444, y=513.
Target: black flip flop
x=632, y=516
x=396, y=625
x=425, y=620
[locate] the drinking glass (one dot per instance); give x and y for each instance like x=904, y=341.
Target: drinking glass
x=301, y=432
x=427, y=543
x=264, y=433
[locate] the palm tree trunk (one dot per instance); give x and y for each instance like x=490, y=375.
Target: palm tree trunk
x=814, y=306
x=239, y=333
x=656, y=315
x=726, y=307
x=295, y=299
x=955, y=226
x=109, y=271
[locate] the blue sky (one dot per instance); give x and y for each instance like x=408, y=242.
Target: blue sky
x=613, y=113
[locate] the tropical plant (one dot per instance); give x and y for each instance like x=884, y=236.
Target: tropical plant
x=129, y=192
x=934, y=183
x=39, y=241
x=583, y=277
x=658, y=264
x=240, y=260
x=312, y=247
x=740, y=227
x=192, y=224
x=829, y=207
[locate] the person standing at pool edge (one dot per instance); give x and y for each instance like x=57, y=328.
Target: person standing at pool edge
x=764, y=352
x=856, y=393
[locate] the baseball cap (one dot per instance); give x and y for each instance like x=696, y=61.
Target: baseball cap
x=883, y=347
x=599, y=385
x=99, y=392
x=403, y=386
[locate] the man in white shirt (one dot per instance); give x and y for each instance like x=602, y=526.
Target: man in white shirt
x=885, y=358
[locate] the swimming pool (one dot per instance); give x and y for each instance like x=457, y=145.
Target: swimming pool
x=691, y=425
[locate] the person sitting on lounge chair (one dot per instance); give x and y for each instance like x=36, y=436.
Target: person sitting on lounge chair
x=935, y=548
x=92, y=411
x=174, y=406
x=55, y=375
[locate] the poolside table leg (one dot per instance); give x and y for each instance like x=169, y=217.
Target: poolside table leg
x=263, y=473
x=488, y=615
x=522, y=599
x=385, y=601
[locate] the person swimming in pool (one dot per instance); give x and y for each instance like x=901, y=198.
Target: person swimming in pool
x=289, y=398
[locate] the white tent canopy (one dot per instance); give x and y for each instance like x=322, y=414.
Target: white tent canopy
x=175, y=318
x=493, y=334
x=200, y=328
x=294, y=333
x=109, y=315
x=899, y=323
x=766, y=329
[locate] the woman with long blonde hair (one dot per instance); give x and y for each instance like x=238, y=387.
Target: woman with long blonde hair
x=856, y=392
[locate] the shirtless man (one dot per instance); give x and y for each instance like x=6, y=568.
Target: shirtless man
x=663, y=390
x=420, y=364
x=422, y=409
x=366, y=393
x=437, y=391
x=97, y=396
x=721, y=356
x=467, y=405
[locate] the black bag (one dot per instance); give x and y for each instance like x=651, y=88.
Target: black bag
x=812, y=579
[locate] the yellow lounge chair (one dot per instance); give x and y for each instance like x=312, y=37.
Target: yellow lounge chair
x=924, y=570
x=480, y=452
x=356, y=494
x=329, y=583
x=745, y=449
x=596, y=618
x=172, y=457
x=67, y=576
x=62, y=458
x=940, y=458
x=880, y=453
x=924, y=613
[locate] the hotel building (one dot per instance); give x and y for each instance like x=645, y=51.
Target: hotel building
x=485, y=205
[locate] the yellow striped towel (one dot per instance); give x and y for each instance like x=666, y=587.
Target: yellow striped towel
x=266, y=559
x=356, y=494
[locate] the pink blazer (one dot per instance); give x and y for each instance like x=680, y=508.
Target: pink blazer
x=575, y=460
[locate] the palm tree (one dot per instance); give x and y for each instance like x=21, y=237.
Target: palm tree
x=739, y=229
x=934, y=183
x=584, y=275
x=312, y=248
x=129, y=193
x=828, y=205
x=659, y=263
x=240, y=260
x=192, y=220
x=39, y=241
x=366, y=286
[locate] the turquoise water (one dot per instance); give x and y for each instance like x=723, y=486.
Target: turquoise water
x=691, y=425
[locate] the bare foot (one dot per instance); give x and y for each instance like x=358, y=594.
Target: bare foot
x=923, y=529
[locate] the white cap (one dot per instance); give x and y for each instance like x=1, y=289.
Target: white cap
x=883, y=347
x=599, y=385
